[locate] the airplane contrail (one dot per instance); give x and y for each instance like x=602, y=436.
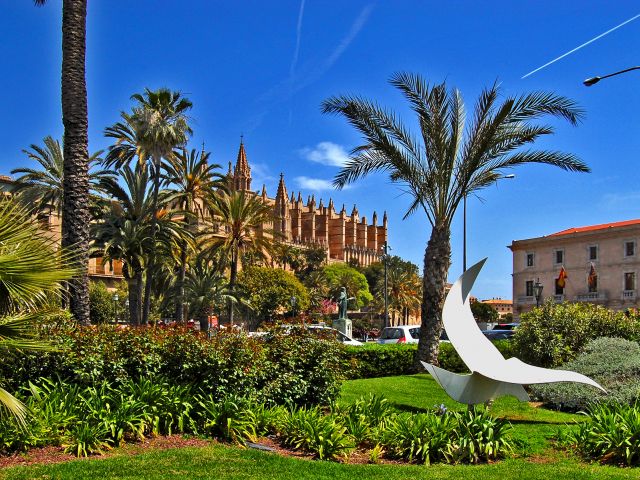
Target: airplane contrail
x=579, y=47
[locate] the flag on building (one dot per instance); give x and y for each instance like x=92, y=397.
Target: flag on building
x=593, y=277
x=561, y=280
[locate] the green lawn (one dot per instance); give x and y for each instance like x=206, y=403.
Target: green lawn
x=410, y=393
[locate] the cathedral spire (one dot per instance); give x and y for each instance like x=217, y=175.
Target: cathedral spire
x=281, y=195
x=242, y=172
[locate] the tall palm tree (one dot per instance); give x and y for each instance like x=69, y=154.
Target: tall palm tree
x=404, y=290
x=124, y=232
x=31, y=269
x=158, y=124
x=75, y=210
x=453, y=160
x=241, y=216
x=192, y=183
x=43, y=189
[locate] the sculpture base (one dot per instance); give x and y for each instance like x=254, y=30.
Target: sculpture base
x=344, y=325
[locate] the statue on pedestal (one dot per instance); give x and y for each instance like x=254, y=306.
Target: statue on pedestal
x=343, y=301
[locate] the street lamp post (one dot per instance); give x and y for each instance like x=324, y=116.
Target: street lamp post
x=294, y=301
x=593, y=80
x=115, y=306
x=386, y=283
x=464, y=224
x=537, y=291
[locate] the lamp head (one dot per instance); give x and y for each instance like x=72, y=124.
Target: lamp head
x=591, y=81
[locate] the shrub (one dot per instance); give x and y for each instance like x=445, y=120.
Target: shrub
x=480, y=437
x=373, y=360
x=322, y=435
x=611, y=435
x=296, y=369
x=423, y=438
x=555, y=333
x=612, y=362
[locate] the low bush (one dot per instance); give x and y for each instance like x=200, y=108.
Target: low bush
x=611, y=435
x=289, y=369
x=555, y=333
x=374, y=360
x=470, y=437
x=324, y=436
x=612, y=362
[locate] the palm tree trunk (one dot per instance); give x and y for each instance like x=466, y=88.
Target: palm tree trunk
x=135, y=283
x=179, y=312
x=75, y=209
x=437, y=260
x=152, y=254
x=232, y=282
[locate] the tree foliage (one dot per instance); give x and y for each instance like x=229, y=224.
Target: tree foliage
x=269, y=292
x=340, y=275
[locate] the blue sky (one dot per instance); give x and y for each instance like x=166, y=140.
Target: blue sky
x=262, y=69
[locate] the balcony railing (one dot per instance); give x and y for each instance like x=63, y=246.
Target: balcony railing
x=558, y=298
x=527, y=300
x=628, y=294
x=591, y=297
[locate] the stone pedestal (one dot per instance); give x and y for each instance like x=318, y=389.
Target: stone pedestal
x=344, y=325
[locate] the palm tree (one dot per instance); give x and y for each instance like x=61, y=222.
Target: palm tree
x=43, y=189
x=124, y=232
x=206, y=289
x=157, y=125
x=404, y=293
x=75, y=210
x=193, y=181
x=241, y=217
x=453, y=160
x=31, y=269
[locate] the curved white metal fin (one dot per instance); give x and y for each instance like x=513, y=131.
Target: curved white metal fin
x=477, y=351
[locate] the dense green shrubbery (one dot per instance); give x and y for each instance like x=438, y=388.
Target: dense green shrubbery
x=612, y=362
x=88, y=420
x=555, y=333
x=374, y=360
x=611, y=435
x=296, y=369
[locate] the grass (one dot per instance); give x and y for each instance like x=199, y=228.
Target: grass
x=228, y=463
x=532, y=427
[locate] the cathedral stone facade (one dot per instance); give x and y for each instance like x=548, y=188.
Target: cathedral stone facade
x=345, y=237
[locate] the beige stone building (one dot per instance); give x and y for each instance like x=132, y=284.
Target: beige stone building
x=597, y=264
x=502, y=306
x=344, y=236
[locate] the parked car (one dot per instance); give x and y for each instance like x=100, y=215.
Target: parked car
x=322, y=331
x=506, y=326
x=498, y=334
x=400, y=334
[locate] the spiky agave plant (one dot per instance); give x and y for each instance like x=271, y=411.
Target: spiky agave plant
x=31, y=270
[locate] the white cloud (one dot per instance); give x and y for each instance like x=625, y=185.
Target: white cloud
x=315, y=184
x=617, y=200
x=326, y=153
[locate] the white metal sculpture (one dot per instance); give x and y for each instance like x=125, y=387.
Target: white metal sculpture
x=491, y=375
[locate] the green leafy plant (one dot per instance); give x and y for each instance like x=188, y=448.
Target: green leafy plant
x=230, y=419
x=322, y=435
x=480, y=437
x=423, y=438
x=87, y=439
x=611, y=434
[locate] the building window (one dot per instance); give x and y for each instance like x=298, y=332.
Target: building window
x=530, y=259
x=630, y=281
x=593, y=283
x=593, y=252
x=558, y=257
x=528, y=286
x=629, y=249
x=559, y=289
